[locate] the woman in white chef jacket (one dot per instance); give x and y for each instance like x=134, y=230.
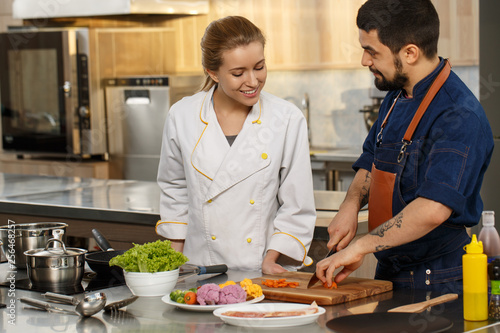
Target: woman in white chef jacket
x=235, y=173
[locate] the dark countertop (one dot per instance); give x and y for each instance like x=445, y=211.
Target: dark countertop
x=151, y=314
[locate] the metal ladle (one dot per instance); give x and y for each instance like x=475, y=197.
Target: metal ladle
x=88, y=306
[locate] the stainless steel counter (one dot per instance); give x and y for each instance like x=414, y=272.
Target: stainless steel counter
x=80, y=198
x=151, y=314
x=342, y=155
x=109, y=200
x=332, y=167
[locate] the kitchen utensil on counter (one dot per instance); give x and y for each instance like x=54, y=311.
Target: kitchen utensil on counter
x=89, y=305
x=120, y=318
x=61, y=298
x=27, y=236
x=188, y=270
x=46, y=306
x=421, y=306
x=314, y=279
x=59, y=266
x=112, y=307
x=99, y=261
x=217, y=279
x=351, y=288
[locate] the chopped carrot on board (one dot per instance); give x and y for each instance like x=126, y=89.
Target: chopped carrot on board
x=333, y=286
x=279, y=283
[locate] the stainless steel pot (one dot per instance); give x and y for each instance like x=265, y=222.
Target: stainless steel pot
x=17, y=238
x=56, y=266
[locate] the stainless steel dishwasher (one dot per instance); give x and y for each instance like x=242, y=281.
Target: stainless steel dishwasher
x=136, y=109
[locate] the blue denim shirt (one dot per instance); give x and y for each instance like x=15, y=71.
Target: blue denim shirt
x=452, y=147
x=445, y=162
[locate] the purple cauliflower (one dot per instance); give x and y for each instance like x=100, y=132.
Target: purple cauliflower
x=231, y=294
x=208, y=294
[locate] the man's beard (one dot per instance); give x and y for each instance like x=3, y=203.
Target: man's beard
x=399, y=81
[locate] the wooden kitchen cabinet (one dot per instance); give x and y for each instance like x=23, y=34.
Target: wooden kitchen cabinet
x=133, y=51
x=188, y=34
x=301, y=35
x=309, y=35
x=459, y=35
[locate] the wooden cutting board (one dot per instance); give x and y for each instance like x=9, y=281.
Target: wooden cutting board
x=349, y=289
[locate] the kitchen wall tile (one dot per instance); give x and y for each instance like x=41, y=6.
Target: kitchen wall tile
x=470, y=75
x=335, y=98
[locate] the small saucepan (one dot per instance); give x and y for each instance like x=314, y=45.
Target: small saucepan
x=99, y=261
x=55, y=266
x=15, y=239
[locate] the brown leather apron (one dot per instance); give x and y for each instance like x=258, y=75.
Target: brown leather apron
x=382, y=182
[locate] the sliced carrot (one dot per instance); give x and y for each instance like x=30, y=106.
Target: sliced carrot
x=279, y=283
x=333, y=286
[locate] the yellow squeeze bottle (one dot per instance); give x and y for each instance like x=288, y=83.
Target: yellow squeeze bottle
x=475, y=281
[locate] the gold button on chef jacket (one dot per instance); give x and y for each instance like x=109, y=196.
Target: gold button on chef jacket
x=206, y=184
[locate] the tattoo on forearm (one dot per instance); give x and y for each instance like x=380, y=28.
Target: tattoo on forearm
x=396, y=221
x=365, y=191
x=382, y=248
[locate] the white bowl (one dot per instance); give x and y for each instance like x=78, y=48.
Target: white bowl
x=151, y=284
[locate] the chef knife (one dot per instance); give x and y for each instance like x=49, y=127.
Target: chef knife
x=188, y=270
x=314, y=278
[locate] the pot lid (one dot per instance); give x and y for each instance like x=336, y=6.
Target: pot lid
x=62, y=251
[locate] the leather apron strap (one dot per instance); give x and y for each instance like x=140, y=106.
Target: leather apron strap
x=382, y=182
x=380, y=198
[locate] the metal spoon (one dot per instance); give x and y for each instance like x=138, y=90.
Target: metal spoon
x=88, y=306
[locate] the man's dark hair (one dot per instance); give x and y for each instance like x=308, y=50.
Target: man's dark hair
x=402, y=22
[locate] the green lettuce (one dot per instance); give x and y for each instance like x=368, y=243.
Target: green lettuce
x=151, y=257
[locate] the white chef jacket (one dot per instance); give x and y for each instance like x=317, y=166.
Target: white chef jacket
x=233, y=203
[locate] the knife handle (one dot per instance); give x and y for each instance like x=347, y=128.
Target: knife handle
x=46, y=306
x=36, y=303
x=213, y=269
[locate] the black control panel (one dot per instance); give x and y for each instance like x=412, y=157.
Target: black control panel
x=138, y=81
x=83, y=91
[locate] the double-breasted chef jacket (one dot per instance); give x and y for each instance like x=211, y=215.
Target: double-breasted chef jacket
x=232, y=204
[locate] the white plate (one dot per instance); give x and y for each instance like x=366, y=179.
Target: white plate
x=269, y=322
x=205, y=308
